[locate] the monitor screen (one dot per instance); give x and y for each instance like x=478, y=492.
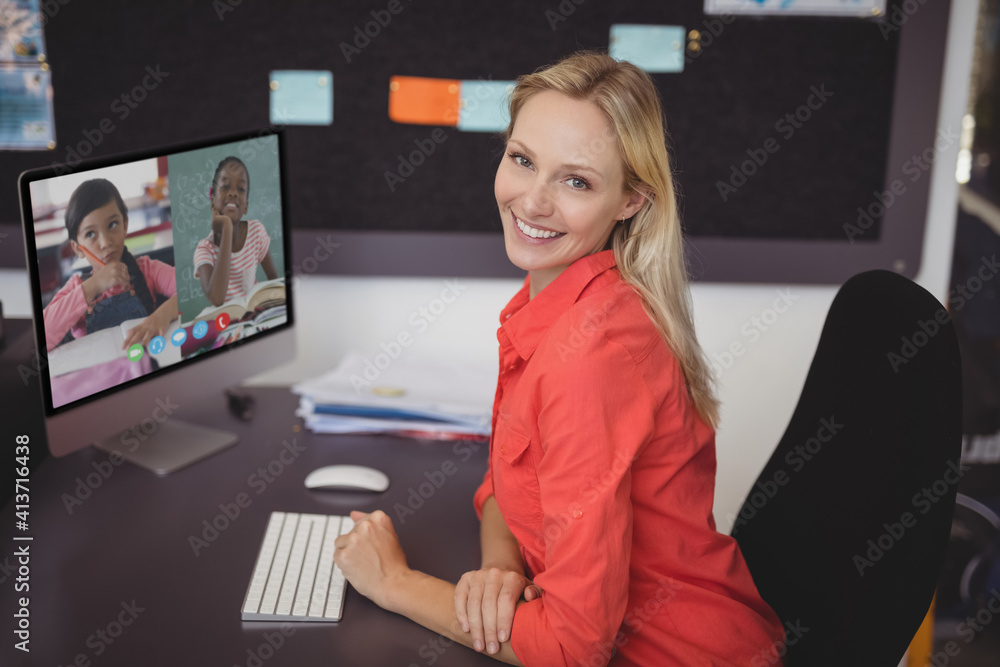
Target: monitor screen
x=144, y=265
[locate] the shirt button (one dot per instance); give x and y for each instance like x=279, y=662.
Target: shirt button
x=503, y=449
x=577, y=513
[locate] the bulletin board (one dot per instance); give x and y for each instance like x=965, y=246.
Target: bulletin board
x=784, y=129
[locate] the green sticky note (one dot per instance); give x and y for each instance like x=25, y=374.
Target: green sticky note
x=654, y=48
x=483, y=105
x=301, y=97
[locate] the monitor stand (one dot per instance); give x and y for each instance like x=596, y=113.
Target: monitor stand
x=173, y=445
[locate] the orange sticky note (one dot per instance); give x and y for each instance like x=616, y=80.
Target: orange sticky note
x=419, y=100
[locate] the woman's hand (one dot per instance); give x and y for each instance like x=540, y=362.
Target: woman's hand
x=370, y=556
x=485, y=601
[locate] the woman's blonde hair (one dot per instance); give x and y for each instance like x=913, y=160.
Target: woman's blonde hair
x=649, y=248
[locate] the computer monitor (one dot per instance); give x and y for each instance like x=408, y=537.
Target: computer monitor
x=140, y=309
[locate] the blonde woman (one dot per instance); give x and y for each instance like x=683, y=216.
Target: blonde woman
x=597, y=533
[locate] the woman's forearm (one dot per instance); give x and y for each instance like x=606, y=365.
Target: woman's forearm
x=499, y=546
x=431, y=603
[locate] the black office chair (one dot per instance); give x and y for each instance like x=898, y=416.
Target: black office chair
x=846, y=528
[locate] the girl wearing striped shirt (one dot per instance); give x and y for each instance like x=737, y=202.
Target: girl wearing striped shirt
x=226, y=260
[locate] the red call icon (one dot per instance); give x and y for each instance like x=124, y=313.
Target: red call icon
x=222, y=321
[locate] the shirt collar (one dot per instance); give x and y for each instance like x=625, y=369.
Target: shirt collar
x=525, y=321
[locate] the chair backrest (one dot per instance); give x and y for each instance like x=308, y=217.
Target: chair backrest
x=846, y=528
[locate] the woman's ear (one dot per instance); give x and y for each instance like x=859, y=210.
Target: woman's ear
x=634, y=204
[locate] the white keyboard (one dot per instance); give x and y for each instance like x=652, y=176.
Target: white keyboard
x=295, y=578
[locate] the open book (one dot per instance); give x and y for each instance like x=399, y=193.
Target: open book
x=106, y=345
x=263, y=295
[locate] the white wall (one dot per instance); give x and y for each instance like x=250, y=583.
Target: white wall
x=760, y=389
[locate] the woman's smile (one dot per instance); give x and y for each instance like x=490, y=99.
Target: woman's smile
x=535, y=232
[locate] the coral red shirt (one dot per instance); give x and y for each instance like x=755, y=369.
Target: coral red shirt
x=605, y=475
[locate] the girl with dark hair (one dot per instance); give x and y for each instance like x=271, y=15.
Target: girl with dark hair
x=226, y=260
x=120, y=287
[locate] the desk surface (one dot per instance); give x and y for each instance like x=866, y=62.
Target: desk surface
x=124, y=552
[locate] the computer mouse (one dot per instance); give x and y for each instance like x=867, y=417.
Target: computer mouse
x=347, y=477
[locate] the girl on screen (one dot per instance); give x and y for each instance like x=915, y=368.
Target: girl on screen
x=120, y=287
x=226, y=260
x=598, y=540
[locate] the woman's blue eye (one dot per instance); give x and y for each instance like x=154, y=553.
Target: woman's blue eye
x=520, y=160
x=578, y=183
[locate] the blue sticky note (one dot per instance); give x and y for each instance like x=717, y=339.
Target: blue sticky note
x=654, y=48
x=301, y=97
x=482, y=105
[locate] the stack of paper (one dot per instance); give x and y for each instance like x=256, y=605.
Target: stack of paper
x=385, y=395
